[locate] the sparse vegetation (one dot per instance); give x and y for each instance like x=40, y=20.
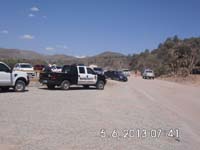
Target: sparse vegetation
x=173, y=57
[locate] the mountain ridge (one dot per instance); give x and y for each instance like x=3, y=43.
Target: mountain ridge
x=107, y=59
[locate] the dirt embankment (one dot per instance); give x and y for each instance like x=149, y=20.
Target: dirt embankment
x=189, y=80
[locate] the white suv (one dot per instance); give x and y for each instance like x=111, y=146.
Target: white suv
x=148, y=74
x=25, y=67
x=15, y=79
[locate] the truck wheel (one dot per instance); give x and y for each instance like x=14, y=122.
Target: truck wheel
x=49, y=86
x=100, y=85
x=65, y=85
x=19, y=86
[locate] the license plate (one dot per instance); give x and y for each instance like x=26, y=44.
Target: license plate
x=44, y=81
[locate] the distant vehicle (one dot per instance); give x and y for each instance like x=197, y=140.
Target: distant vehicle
x=73, y=75
x=25, y=67
x=15, y=79
x=126, y=72
x=148, y=74
x=98, y=70
x=196, y=70
x=39, y=67
x=116, y=75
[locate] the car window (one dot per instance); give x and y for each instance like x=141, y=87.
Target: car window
x=3, y=68
x=81, y=70
x=90, y=71
x=25, y=66
x=98, y=69
x=149, y=71
x=66, y=69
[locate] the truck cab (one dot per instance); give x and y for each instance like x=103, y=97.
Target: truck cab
x=73, y=75
x=15, y=79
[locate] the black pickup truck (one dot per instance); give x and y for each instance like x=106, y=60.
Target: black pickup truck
x=73, y=75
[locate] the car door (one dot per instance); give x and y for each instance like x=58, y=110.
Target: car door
x=5, y=75
x=91, y=77
x=82, y=75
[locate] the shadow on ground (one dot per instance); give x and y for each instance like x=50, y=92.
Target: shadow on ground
x=71, y=89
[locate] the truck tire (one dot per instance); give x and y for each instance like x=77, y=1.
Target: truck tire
x=100, y=85
x=50, y=86
x=65, y=85
x=20, y=86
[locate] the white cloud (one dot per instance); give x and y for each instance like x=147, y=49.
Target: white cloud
x=50, y=48
x=31, y=15
x=62, y=47
x=35, y=9
x=4, y=31
x=80, y=56
x=27, y=37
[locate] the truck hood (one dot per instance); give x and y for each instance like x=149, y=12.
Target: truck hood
x=26, y=69
x=21, y=73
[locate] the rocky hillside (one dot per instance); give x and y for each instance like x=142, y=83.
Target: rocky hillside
x=173, y=57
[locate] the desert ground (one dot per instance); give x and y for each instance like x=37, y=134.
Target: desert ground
x=90, y=119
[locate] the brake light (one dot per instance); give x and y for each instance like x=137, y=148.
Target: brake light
x=53, y=77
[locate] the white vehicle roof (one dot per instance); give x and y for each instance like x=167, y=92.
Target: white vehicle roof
x=24, y=63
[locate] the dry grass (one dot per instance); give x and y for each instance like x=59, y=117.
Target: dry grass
x=189, y=80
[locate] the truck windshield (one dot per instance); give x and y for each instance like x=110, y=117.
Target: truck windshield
x=90, y=71
x=25, y=66
x=149, y=71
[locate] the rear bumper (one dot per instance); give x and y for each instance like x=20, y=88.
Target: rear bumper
x=46, y=81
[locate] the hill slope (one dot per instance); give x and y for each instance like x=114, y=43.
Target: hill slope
x=106, y=59
x=175, y=57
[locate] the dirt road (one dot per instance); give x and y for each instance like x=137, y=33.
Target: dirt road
x=140, y=114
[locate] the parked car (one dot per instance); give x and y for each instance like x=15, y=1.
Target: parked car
x=196, y=70
x=73, y=75
x=15, y=79
x=39, y=67
x=126, y=72
x=25, y=67
x=148, y=74
x=98, y=70
x=116, y=75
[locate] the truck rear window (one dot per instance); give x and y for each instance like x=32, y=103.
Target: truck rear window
x=81, y=70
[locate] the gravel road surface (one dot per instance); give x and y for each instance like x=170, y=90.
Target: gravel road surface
x=140, y=114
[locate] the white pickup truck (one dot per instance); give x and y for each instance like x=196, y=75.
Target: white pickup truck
x=15, y=79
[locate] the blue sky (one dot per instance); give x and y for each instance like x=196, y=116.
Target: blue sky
x=88, y=27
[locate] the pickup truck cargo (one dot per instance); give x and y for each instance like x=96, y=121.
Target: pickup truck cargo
x=15, y=79
x=73, y=75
